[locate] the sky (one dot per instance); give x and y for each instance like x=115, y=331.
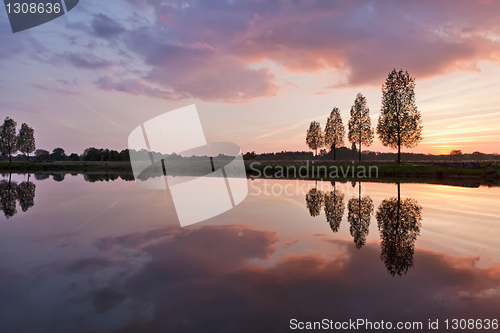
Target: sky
x=258, y=71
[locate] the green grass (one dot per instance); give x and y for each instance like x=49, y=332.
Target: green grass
x=486, y=172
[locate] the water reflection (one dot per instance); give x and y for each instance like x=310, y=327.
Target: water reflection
x=26, y=194
x=11, y=193
x=359, y=215
x=314, y=201
x=399, y=224
x=334, y=208
x=104, y=258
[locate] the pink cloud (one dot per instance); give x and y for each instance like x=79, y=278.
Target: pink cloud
x=204, y=50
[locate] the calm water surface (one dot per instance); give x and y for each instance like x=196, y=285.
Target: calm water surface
x=108, y=256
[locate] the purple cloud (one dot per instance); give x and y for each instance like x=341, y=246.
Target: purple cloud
x=83, y=60
x=105, y=27
x=203, y=49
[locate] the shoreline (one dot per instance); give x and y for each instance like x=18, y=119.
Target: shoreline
x=476, y=174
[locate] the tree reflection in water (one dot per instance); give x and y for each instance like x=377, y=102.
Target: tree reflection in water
x=11, y=192
x=314, y=201
x=399, y=222
x=359, y=215
x=334, y=208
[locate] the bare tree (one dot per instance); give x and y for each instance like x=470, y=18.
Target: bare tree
x=399, y=123
x=334, y=131
x=26, y=140
x=314, y=137
x=8, y=138
x=360, y=125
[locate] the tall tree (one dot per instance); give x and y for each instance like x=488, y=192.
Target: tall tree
x=315, y=137
x=334, y=131
x=8, y=138
x=26, y=140
x=399, y=124
x=360, y=125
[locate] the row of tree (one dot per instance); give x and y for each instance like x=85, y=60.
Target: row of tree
x=349, y=154
x=11, y=142
x=89, y=154
x=399, y=124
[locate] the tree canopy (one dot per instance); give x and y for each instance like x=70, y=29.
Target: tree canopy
x=315, y=137
x=360, y=125
x=399, y=124
x=334, y=131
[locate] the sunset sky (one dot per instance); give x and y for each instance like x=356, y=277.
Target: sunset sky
x=258, y=71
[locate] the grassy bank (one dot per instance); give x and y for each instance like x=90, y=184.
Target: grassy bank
x=475, y=173
x=457, y=173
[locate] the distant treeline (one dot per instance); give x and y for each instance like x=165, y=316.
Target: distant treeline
x=346, y=154
x=343, y=154
x=104, y=155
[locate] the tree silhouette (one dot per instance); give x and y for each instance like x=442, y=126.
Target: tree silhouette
x=314, y=201
x=399, y=123
x=58, y=177
x=334, y=131
x=41, y=176
x=8, y=138
x=360, y=125
x=58, y=154
x=26, y=194
x=26, y=140
x=399, y=224
x=359, y=215
x=8, y=195
x=334, y=208
x=314, y=137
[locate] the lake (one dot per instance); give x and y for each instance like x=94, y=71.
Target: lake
x=89, y=253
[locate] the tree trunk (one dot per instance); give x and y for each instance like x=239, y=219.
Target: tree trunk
x=10, y=158
x=399, y=134
x=334, y=153
x=360, y=151
x=399, y=202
